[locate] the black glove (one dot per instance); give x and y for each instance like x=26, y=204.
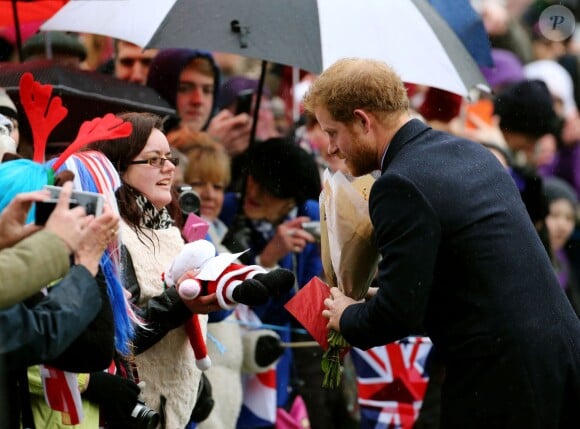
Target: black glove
x=204, y=403
x=115, y=395
x=268, y=349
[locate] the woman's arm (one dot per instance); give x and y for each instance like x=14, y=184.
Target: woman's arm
x=34, y=335
x=160, y=314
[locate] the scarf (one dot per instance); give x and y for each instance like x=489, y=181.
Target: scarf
x=153, y=218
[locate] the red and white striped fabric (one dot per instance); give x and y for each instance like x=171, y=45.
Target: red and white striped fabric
x=391, y=382
x=61, y=393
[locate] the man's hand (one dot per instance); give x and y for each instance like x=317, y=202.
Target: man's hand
x=233, y=132
x=335, y=306
x=13, y=227
x=289, y=237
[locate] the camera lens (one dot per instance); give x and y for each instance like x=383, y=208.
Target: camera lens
x=189, y=201
x=144, y=417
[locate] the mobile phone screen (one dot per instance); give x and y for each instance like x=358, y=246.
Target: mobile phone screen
x=244, y=101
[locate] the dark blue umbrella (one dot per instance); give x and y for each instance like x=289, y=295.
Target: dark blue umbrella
x=468, y=26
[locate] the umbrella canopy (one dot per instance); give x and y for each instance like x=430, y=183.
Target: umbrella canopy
x=85, y=94
x=310, y=34
x=20, y=19
x=468, y=25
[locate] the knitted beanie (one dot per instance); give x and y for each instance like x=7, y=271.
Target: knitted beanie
x=558, y=189
x=526, y=107
x=284, y=169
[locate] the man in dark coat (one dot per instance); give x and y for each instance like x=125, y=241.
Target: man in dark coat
x=461, y=260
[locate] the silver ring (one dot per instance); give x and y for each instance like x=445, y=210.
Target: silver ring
x=291, y=232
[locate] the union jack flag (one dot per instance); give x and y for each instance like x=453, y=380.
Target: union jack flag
x=259, y=390
x=391, y=383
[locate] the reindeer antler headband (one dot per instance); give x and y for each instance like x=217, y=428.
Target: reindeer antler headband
x=45, y=112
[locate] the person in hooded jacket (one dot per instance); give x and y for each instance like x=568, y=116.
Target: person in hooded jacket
x=189, y=80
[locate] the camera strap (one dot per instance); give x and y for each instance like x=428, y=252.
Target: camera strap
x=162, y=405
x=24, y=400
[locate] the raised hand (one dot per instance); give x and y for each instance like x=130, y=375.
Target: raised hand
x=98, y=234
x=289, y=237
x=233, y=132
x=68, y=223
x=13, y=227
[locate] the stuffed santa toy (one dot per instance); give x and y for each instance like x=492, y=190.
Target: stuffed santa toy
x=231, y=282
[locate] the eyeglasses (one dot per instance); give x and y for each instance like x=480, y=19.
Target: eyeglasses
x=156, y=161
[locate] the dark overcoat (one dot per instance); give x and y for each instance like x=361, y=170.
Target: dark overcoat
x=462, y=261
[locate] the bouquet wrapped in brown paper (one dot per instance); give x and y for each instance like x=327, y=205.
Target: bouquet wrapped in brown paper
x=349, y=256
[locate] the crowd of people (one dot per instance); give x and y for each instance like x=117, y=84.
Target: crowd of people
x=474, y=211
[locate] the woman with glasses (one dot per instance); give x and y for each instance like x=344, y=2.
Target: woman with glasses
x=151, y=238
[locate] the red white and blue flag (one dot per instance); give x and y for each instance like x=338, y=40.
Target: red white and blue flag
x=259, y=390
x=61, y=392
x=391, y=383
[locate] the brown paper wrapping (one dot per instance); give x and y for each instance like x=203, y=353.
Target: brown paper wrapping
x=349, y=256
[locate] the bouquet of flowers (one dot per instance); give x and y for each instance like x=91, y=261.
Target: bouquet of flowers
x=349, y=256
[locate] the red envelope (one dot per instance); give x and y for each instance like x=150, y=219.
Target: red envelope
x=306, y=307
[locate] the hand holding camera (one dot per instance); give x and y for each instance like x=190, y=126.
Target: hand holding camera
x=13, y=226
x=92, y=202
x=98, y=234
x=232, y=131
x=290, y=237
x=118, y=400
x=82, y=219
x=66, y=222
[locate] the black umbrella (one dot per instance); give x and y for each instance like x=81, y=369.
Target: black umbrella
x=85, y=94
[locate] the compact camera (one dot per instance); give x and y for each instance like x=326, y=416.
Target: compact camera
x=188, y=200
x=91, y=201
x=144, y=417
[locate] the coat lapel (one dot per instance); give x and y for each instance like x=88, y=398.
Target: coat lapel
x=406, y=133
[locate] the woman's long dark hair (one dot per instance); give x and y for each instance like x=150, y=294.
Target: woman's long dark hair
x=124, y=150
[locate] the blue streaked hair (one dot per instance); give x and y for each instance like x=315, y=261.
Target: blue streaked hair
x=93, y=172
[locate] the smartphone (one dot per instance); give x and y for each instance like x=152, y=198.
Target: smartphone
x=482, y=109
x=313, y=228
x=244, y=101
x=92, y=202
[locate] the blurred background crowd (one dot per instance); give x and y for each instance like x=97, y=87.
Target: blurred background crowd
x=256, y=185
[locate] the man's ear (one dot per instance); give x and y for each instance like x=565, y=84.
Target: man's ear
x=362, y=119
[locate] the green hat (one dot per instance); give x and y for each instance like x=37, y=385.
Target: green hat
x=60, y=42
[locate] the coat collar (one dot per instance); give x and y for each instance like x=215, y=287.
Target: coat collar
x=406, y=133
